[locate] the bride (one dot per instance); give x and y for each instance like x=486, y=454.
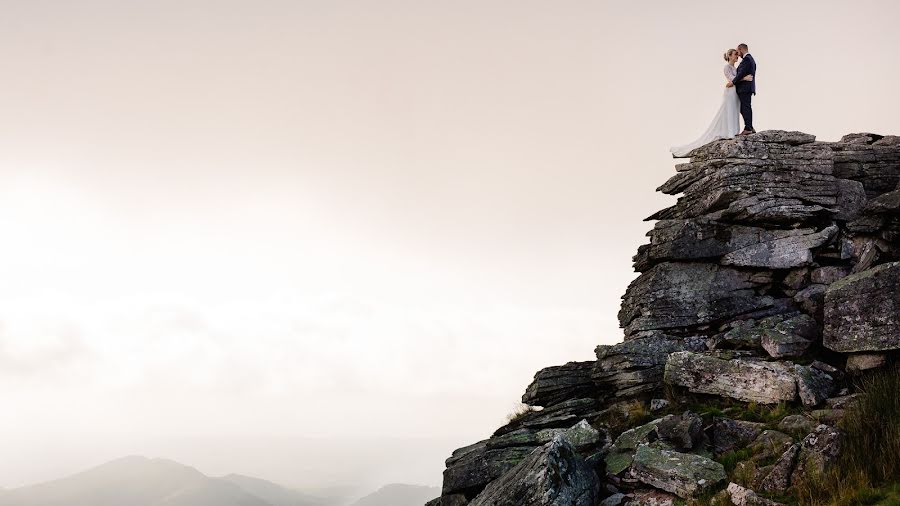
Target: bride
x=726, y=124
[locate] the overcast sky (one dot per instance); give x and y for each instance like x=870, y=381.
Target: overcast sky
x=329, y=241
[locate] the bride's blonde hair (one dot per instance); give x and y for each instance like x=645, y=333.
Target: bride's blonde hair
x=729, y=53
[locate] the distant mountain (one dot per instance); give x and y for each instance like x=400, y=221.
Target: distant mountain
x=399, y=495
x=139, y=481
x=274, y=494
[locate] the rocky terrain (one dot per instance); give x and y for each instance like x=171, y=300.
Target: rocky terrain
x=768, y=286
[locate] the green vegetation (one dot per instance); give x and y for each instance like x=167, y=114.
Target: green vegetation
x=868, y=471
x=731, y=459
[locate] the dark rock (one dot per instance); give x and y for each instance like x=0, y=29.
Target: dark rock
x=658, y=404
x=469, y=469
x=684, y=295
x=869, y=159
x=728, y=434
x=812, y=300
x=553, y=385
x=683, y=432
x=683, y=474
x=741, y=496
x=818, y=451
x=621, y=453
x=797, y=424
x=740, y=378
x=652, y=498
x=862, y=311
x=553, y=475
x=842, y=402
x=858, y=362
x=827, y=416
x=829, y=274
x=617, y=499
x=778, y=478
x=703, y=238
x=786, y=335
x=581, y=436
x=635, y=366
x=770, y=444
x=755, y=183
x=851, y=199
x=813, y=385
x=562, y=415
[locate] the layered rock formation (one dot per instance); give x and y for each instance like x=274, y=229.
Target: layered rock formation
x=773, y=277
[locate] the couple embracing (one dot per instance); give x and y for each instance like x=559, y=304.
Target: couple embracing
x=740, y=86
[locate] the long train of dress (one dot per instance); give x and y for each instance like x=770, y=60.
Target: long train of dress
x=725, y=125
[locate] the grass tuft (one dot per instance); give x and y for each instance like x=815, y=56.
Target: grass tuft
x=868, y=470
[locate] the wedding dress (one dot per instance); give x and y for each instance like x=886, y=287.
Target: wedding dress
x=725, y=125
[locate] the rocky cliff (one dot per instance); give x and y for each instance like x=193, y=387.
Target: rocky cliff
x=771, y=281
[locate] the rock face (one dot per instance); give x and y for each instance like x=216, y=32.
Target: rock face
x=862, y=311
x=560, y=383
x=773, y=279
x=636, y=366
x=553, y=475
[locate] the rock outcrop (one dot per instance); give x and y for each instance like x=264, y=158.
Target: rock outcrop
x=773, y=278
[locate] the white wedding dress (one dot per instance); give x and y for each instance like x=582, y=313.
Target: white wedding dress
x=725, y=125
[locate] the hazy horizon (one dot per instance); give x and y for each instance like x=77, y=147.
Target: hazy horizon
x=253, y=237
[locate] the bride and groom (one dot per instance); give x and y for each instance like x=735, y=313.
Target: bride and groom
x=740, y=86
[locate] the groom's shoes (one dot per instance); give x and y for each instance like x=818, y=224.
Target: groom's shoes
x=747, y=132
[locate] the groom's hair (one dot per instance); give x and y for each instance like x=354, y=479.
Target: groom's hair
x=743, y=47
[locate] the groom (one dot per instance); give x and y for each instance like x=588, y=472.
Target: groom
x=745, y=89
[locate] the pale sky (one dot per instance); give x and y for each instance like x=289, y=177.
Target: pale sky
x=326, y=242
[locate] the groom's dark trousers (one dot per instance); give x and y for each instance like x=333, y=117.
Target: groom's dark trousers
x=746, y=110
x=746, y=89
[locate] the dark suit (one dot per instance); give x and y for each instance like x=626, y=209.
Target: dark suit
x=746, y=89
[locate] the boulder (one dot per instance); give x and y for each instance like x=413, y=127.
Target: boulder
x=635, y=366
x=658, y=404
x=778, y=478
x=797, y=424
x=785, y=335
x=621, y=453
x=829, y=274
x=683, y=432
x=581, y=436
x=745, y=379
x=858, y=362
x=741, y=496
x=553, y=385
x=862, y=311
x=683, y=474
x=652, y=498
x=728, y=434
x=812, y=300
x=813, y=385
x=617, y=499
x=818, y=451
x=553, y=475
x=470, y=468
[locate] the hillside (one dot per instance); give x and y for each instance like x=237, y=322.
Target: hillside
x=398, y=495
